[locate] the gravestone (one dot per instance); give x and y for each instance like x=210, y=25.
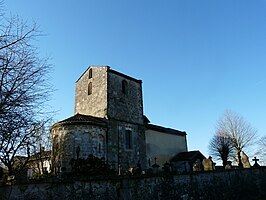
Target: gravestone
x=166, y=167
x=155, y=166
x=208, y=164
x=119, y=170
x=58, y=170
x=197, y=166
x=245, y=160
x=228, y=165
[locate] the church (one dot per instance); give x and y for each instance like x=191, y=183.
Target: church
x=109, y=123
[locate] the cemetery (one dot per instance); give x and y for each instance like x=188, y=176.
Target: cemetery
x=121, y=155
x=93, y=179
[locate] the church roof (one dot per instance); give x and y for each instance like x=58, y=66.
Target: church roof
x=123, y=75
x=165, y=130
x=83, y=119
x=114, y=72
x=188, y=156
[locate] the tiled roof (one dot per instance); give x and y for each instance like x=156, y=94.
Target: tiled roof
x=79, y=118
x=165, y=130
x=187, y=156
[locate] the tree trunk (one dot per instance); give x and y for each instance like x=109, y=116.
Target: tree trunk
x=10, y=170
x=224, y=162
x=240, y=164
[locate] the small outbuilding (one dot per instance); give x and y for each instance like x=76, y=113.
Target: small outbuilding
x=185, y=162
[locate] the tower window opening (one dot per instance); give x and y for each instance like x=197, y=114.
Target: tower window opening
x=100, y=148
x=90, y=88
x=124, y=87
x=128, y=138
x=90, y=73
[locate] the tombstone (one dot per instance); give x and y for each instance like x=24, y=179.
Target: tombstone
x=137, y=170
x=155, y=166
x=256, y=162
x=129, y=171
x=197, y=166
x=166, y=167
x=10, y=180
x=245, y=160
x=208, y=164
x=29, y=173
x=119, y=170
x=228, y=165
x=58, y=170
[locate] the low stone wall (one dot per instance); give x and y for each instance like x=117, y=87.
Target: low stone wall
x=232, y=184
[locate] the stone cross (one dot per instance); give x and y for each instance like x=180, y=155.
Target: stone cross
x=155, y=160
x=256, y=162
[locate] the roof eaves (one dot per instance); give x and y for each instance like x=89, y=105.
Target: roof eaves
x=165, y=130
x=77, y=119
x=125, y=76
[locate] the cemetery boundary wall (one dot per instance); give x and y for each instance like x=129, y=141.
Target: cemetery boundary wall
x=231, y=184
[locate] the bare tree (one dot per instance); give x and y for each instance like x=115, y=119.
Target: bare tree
x=221, y=147
x=239, y=130
x=24, y=90
x=262, y=148
x=42, y=150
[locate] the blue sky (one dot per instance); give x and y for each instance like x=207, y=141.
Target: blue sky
x=196, y=58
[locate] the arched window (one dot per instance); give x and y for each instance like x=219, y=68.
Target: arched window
x=128, y=139
x=90, y=88
x=124, y=87
x=90, y=73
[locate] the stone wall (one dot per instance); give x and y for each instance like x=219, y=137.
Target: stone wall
x=127, y=106
x=94, y=104
x=163, y=146
x=90, y=138
x=117, y=151
x=125, y=112
x=224, y=185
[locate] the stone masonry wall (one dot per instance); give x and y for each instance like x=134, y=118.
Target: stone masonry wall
x=226, y=185
x=126, y=107
x=90, y=138
x=94, y=104
x=118, y=153
x=125, y=112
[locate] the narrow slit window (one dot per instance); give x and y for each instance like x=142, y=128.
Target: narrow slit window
x=90, y=73
x=100, y=148
x=90, y=88
x=124, y=87
x=128, y=139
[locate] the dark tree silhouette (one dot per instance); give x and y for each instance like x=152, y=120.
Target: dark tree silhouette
x=24, y=90
x=262, y=148
x=239, y=130
x=221, y=147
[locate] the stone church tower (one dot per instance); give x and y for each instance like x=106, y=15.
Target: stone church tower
x=108, y=120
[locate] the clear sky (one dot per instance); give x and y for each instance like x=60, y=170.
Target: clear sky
x=196, y=58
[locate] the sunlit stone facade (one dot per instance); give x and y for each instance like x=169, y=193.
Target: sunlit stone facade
x=109, y=123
